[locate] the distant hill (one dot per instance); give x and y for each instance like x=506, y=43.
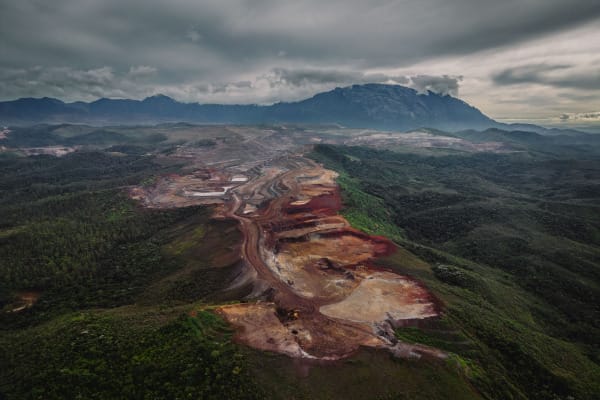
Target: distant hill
x=375, y=106
x=534, y=136
x=384, y=107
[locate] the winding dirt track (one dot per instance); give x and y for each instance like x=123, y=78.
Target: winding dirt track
x=316, y=292
x=291, y=321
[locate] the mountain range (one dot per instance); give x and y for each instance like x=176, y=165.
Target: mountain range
x=376, y=106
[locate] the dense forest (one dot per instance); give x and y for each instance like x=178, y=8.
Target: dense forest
x=513, y=247
x=70, y=235
x=114, y=301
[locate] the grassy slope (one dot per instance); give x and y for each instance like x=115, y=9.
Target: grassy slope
x=368, y=375
x=504, y=333
x=368, y=213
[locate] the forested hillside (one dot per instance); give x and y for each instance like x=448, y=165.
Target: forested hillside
x=513, y=247
x=104, y=298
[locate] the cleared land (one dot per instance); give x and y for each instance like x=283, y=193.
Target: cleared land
x=315, y=292
x=507, y=243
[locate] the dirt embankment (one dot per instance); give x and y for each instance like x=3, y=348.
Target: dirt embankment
x=25, y=300
x=316, y=293
x=321, y=296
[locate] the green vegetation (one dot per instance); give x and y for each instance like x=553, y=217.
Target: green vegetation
x=184, y=244
x=78, y=240
x=69, y=233
x=206, y=260
x=440, y=334
x=82, y=135
x=370, y=374
x=366, y=212
x=127, y=353
x=509, y=243
x=119, y=284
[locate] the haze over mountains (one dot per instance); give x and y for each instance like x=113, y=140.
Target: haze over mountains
x=377, y=106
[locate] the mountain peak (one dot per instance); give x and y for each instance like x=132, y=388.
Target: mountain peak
x=370, y=105
x=159, y=97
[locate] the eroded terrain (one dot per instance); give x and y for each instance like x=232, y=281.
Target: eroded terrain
x=315, y=292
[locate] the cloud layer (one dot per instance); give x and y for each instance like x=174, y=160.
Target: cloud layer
x=583, y=77
x=585, y=117
x=262, y=51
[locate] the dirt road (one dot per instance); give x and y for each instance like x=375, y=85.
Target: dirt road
x=316, y=293
x=315, y=290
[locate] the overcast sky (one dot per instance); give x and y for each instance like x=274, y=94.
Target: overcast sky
x=535, y=60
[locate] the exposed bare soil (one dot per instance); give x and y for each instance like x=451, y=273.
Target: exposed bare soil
x=25, y=299
x=315, y=291
x=317, y=276
x=204, y=186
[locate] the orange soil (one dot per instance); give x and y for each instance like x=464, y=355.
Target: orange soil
x=26, y=300
x=317, y=293
x=325, y=298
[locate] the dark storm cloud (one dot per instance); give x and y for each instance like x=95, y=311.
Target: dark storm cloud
x=303, y=77
x=580, y=96
x=444, y=84
x=525, y=74
x=61, y=82
x=189, y=48
x=560, y=76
